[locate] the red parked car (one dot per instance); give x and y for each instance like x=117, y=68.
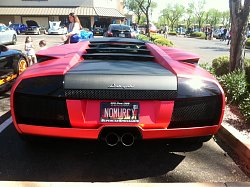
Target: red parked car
x=117, y=90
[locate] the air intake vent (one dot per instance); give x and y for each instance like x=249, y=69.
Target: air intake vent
x=117, y=49
x=41, y=111
x=194, y=113
x=121, y=94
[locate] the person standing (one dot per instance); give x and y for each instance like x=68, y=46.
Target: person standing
x=180, y=30
x=29, y=48
x=66, y=24
x=10, y=23
x=229, y=38
x=206, y=31
x=166, y=31
x=74, y=35
x=135, y=27
x=224, y=34
x=211, y=33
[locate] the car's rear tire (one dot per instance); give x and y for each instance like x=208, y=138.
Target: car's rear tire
x=14, y=39
x=34, y=139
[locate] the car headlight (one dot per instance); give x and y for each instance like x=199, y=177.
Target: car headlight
x=194, y=87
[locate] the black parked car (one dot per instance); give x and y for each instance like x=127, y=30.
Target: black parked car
x=12, y=64
x=118, y=30
x=189, y=31
x=34, y=28
x=98, y=31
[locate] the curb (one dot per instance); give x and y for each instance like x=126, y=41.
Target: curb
x=237, y=142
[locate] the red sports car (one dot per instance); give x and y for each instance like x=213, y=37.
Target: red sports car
x=117, y=90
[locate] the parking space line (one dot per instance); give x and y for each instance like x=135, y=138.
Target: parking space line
x=5, y=124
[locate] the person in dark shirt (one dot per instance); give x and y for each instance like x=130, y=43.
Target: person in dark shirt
x=224, y=34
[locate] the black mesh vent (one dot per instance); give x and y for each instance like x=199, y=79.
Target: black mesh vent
x=121, y=94
x=196, y=113
x=118, y=49
x=42, y=111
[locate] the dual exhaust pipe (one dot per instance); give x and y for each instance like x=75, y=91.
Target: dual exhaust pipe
x=127, y=139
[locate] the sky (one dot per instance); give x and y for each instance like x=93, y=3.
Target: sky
x=221, y=5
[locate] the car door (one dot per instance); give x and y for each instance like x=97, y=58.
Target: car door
x=4, y=36
x=1, y=35
x=7, y=35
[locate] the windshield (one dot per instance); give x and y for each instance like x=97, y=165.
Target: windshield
x=120, y=28
x=85, y=29
x=14, y=25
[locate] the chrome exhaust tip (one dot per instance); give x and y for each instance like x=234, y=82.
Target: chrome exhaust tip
x=127, y=139
x=112, y=139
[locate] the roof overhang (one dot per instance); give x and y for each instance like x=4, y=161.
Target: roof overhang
x=60, y=11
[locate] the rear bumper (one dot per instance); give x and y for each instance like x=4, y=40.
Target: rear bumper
x=94, y=133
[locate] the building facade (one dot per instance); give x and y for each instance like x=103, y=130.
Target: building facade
x=92, y=13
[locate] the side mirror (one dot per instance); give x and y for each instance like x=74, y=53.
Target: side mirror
x=3, y=48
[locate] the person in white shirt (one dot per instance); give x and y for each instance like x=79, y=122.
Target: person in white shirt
x=29, y=48
x=74, y=35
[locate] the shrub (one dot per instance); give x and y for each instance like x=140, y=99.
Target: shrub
x=154, y=36
x=221, y=65
x=248, y=42
x=208, y=68
x=142, y=37
x=198, y=34
x=247, y=71
x=156, y=39
x=235, y=86
x=245, y=108
x=172, y=33
x=163, y=42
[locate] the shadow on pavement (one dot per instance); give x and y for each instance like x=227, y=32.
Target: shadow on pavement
x=87, y=160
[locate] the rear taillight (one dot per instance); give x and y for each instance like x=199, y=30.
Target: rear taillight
x=110, y=33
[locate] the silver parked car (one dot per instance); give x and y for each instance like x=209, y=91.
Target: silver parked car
x=7, y=35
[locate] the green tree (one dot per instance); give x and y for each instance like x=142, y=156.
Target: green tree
x=146, y=6
x=173, y=13
x=199, y=11
x=239, y=17
x=133, y=6
x=225, y=18
x=214, y=17
x=189, y=14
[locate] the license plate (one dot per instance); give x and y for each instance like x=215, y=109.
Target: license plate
x=120, y=112
x=97, y=32
x=121, y=35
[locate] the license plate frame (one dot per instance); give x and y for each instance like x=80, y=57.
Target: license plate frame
x=122, y=35
x=117, y=112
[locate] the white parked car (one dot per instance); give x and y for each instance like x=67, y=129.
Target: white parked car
x=7, y=35
x=56, y=28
